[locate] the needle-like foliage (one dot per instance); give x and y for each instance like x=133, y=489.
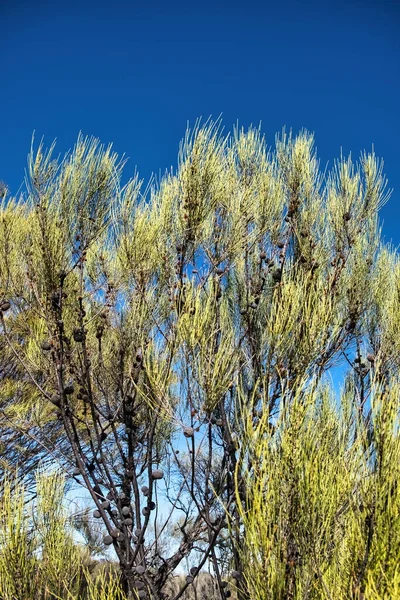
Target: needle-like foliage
x=170, y=348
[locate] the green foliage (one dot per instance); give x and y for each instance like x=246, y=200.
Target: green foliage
x=321, y=515
x=206, y=311
x=38, y=555
x=17, y=559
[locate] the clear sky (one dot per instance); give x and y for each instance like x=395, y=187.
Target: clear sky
x=133, y=73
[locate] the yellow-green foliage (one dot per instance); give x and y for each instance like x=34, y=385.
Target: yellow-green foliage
x=239, y=280
x=321, y=516
x=225, y=205
x=39, y=557
x=17, y=559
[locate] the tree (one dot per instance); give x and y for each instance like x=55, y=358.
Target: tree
x=174, y=343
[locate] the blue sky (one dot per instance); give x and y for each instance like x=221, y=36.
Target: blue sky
x=134, y=73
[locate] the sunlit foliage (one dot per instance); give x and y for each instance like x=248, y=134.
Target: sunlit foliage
x=179, y=339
